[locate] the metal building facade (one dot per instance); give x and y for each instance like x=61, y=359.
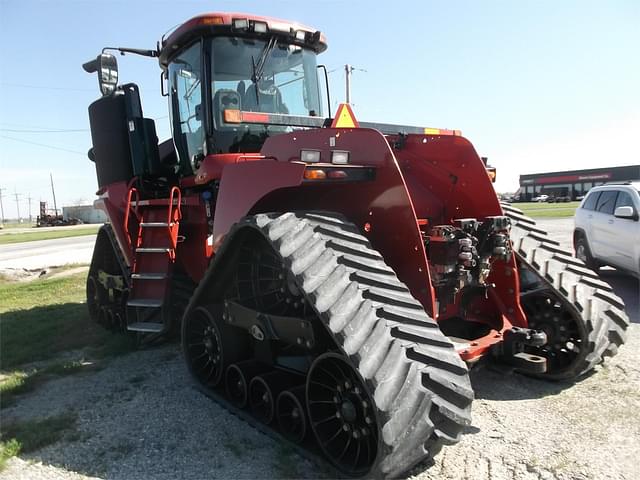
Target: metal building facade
x=574, y=182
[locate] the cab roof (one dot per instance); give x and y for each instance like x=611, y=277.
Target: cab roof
x=233, y=23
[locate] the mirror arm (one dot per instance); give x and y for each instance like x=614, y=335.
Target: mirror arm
x=136, y=51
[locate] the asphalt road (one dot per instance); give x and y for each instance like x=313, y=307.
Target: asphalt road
x=47, y=253
x=624, y=285
x=62, y=251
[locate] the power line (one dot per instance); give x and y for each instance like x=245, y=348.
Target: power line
x=43, y=145
x=43, y=87
x=22, y=125
x=44, y=131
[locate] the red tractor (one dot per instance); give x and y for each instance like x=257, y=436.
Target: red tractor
x=332, y=280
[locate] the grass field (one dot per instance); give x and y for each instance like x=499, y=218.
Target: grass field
x=38, y=321
x=18, y=237
x=41, y=318
x=548, y=210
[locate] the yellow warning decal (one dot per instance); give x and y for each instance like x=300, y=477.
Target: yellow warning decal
x=344, y=117
x=432, y=131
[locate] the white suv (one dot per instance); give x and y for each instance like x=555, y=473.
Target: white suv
x=607, y=227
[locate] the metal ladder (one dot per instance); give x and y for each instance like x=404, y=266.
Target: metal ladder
x=154, y=248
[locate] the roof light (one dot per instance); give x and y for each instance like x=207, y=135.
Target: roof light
x=339, y=157
x=240, y=23
x=300, y=35
x=212, y=21
x=315, y=174
x=260, y=27
x=310, y=156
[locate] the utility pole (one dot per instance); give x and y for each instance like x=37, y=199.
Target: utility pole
x=348, y=70
x=55, y=206
x=30, y=219
x=17, y=203
x=1, y=209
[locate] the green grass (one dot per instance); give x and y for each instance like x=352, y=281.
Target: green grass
x=548, y=210
x=39, y=320
x=47, y=234
x=42, y=318
x=8, y=449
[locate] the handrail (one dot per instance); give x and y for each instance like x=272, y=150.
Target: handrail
x=178, y=214
x=131, y=193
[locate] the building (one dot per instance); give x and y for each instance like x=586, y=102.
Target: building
x=573, y=183
x=86, y=213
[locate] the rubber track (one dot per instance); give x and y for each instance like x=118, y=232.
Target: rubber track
x=418, y=381
x=602, y=311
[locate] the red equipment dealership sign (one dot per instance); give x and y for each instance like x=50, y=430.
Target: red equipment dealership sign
x=573, y=178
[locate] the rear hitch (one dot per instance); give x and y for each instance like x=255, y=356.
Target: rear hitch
x=512, y=349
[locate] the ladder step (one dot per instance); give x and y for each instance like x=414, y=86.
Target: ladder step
x=153, y=202
x=149, y=327
x=155, y=224
x=145, y=302
x=148, y=276
x=152, y=250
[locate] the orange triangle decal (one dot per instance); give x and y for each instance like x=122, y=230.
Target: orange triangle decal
x=344, y=117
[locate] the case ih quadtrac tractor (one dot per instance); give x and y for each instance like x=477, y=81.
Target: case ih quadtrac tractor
x=331, y=282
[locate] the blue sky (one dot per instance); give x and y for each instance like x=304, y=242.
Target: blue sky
x=536, y=86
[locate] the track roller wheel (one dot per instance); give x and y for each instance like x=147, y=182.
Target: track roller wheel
x=210, y=345
x=291, y=414
x=264, y=390
x=341, y=414
x=238, y=378
x=567, y=337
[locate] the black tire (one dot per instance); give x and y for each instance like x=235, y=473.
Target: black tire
x=420, y=385
x=599, y=313
x=583, y=252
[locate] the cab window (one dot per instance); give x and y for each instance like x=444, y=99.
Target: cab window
x=187, y=114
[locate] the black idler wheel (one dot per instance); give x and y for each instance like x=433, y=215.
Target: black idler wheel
x=291, y=414
x=238, y=378
x=264, y=390
x=341, y=414
x=210, y=345
x=565, y=337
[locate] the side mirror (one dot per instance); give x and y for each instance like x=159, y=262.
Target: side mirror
x=107, y=67
x=625, y=212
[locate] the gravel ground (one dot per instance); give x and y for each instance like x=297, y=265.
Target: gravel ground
x=140, y=417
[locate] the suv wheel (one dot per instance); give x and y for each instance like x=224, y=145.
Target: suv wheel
x=584, y=253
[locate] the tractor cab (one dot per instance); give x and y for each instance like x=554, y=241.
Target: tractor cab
x=234, y=80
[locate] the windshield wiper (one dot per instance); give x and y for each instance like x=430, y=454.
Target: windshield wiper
x=258, y=68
